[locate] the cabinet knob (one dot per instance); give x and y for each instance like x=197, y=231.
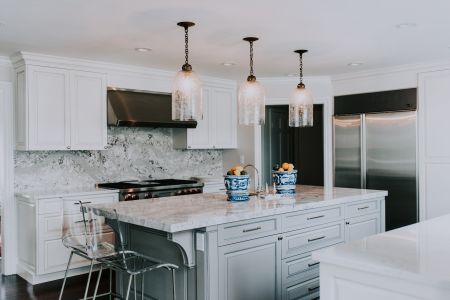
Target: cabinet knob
x=280, y=238
x=68, y=147
x=347, y=223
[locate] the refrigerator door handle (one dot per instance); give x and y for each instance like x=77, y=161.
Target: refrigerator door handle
x=363, y=152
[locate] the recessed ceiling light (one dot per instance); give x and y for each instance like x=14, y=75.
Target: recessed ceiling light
x=228, y=64
x=355, y=64
x=405, y=25
x=142, y=49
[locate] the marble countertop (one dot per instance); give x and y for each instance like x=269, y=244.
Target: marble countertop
x=418, y=253
x=64, y=192
x=174, y=214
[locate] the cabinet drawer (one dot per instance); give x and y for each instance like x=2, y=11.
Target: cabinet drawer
x=248, y=229
x=54, y=257
x=299, y=268
x=309, y=290
x=298, y=242
x=299, y=220
x=50, y=206
x=362, y=208
x=71, y=204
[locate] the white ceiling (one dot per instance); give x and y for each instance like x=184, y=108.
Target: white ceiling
x=336, y=32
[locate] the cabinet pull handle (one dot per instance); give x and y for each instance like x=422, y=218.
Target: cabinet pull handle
x=316, y=298
x=347, y=223
x=316, y=217
x=252, y=229
x=313, y=264
x=361, y=208
x=316, y=239
x=68, y=147
x=78, y=203
x=313, y=288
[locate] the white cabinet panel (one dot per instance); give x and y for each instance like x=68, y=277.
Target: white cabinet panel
x=48, y=108
x=360, y=227
x=225, y=118
x=434, y=145
x=200, y=137
x=88, y=111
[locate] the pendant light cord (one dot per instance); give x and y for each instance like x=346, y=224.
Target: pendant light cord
x=186, y=44
x=251, y=58
x=301, y=69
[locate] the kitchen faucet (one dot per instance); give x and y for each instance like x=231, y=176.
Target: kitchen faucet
x=257, y=182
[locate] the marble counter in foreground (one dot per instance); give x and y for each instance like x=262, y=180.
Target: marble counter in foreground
x=180, y=213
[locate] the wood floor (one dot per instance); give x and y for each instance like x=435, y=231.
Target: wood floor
x=15, y=288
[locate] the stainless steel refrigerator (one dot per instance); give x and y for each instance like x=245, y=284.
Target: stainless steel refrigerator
x=378, y=151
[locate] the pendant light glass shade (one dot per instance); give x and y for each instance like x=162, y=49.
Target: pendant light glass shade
x=187, y=102
x=252, y=100
x=301, y=102
x=252, y=96
x=301, y=108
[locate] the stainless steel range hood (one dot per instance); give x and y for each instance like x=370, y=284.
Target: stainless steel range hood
x=130, y=108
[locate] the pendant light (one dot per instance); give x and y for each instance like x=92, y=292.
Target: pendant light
x=186, y=90
x=251, y=96
x=301, y=106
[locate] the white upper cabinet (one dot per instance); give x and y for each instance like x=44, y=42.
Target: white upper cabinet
x=88, y=111
x=218, y=129
x=60, y=109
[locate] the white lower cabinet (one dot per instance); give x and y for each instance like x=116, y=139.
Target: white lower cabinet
x=42, y=256
x=360, y=227
x=270, y=258
x=250, y=270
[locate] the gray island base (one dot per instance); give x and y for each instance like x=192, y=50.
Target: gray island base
x=260, y=249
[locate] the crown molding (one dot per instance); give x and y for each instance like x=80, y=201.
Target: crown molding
x=21, y=58
x=419, y=67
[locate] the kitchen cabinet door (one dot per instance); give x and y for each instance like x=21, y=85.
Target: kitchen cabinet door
x=201, y=136
x=225, y=120
x=88, y=111
x=250, y=270
x=48, y=108
x=361, y=227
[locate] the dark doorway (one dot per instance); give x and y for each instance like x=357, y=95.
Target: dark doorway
x=301, y=146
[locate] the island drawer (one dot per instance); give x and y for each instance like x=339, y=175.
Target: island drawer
x=362, y=208
x=299, y=268
x=249, y=229
x=302, y=219
x=71, y=204
x=308, y=290
x=303, y=241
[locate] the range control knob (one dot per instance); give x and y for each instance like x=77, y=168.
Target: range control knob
x=148, y=196
x=129, y=197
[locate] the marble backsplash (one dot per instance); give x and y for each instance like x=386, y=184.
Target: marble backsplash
x=135, y=153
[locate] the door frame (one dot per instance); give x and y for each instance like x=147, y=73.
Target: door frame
x=327, y=103
x=8, y=218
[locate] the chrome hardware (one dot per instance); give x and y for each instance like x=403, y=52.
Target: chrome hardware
x=361, y=208
x=252, y=229
x=82, y=203
x=258, y=189
x=347, y=223
x=280, y=238
x=313, y=288
x=316, y=239
x=313, y=264
x=316, y=217
x=68, y=147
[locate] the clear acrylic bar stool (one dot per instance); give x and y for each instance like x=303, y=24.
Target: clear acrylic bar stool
x=133, y=263
x=88, y=236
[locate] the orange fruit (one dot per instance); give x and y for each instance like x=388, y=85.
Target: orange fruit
x=237, y=172
x=285, y=166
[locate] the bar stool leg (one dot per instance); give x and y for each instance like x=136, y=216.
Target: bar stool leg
x=129, y=287
x=173, y=285
x=65, y=275
x=98, y=282
x=89, y=280
x=135, y=292
x=110, y=283
x=142, y=286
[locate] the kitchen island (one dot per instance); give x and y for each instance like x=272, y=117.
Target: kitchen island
x=260, y=249
x=408, y=263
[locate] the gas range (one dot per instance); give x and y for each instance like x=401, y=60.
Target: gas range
x=147, y=189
